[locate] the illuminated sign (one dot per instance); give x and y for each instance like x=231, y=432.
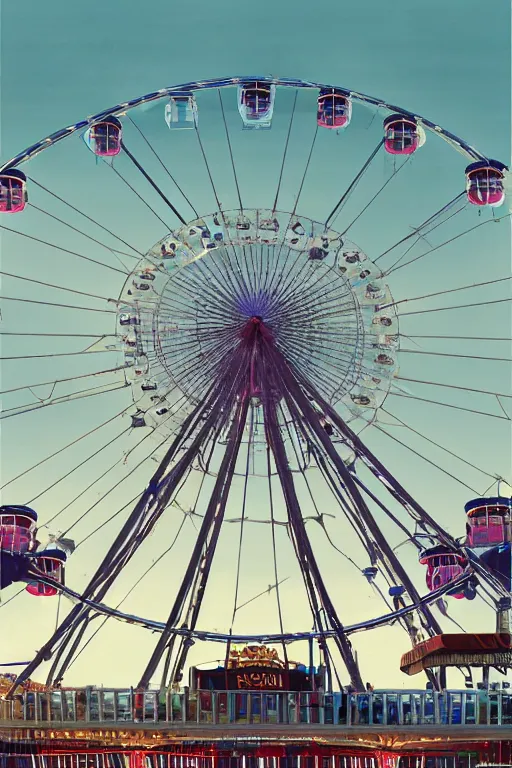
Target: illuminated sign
x=259, y=680
x=252, y=655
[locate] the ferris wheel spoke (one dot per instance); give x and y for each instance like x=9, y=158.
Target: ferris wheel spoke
x=65, y=250
x=64, y=448
x=329, y=340
x=294, y=341
x=230, y=148
x=98, y=501
x=294, y=298
x=278, y=289
x=84, y=215
x=308, y=282
x=162, y=164
x=446, y=242
x=57, y=335
x=280, y=278
x=449, y=405
x=304, y=175
x=291, y=279
x=320, y=301
x=317, y=371
x=56, y=354
x=339, y=205
x=8, y=413
x=429, y=461
x=456, y=338
x=208, y=171
x=460, y=306
x=285, y=152
x=95, y=453
x=54, y=304
x=296, y=438
x=223, y=298
x=129, y=504
x=182, y=363
x=449, y=290
x=396, y=171
x=215, y=286
x=54, y=383
x=189, y=314
x=253, y=270
x=455, y=386
x=432, y=220
x=140, y=197
x=213, y=348
x=251, y=280
x=302, y=353
x=152, y=182
x=438, y=445
x=133, y=469
x=242, y=275
x=113, y=251
x=192, y=289
x=445, y=354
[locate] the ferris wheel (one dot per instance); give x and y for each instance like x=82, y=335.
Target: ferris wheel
x=271, y=317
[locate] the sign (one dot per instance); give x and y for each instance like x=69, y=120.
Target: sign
x=255, y=678
x=264, y=680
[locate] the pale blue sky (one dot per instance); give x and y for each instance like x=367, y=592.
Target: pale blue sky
x=62, y=61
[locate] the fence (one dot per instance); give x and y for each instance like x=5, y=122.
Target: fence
x=378, y=708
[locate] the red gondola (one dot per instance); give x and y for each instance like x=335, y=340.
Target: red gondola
x=17, y=529
x=13, y=191
x=443, y=566
x=51, y=563
x=484, y=183
x=104, y=138
x=488, y=521
x=402, y=135
x=334, y=109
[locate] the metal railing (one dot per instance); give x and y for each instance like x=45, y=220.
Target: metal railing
x=123, y=759
x=376, y=708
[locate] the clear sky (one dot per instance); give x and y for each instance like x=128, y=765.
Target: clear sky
x=63, y=61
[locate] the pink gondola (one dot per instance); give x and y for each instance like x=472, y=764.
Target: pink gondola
x=443, y=566
x=51, y=563
x=334, y=109
x=104, y=138
x=402, y=135
x=17, y=529
x=485, y=183
x=488, y=521
x=13, y=191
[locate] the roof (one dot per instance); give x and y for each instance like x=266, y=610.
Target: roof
x=453, y=648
